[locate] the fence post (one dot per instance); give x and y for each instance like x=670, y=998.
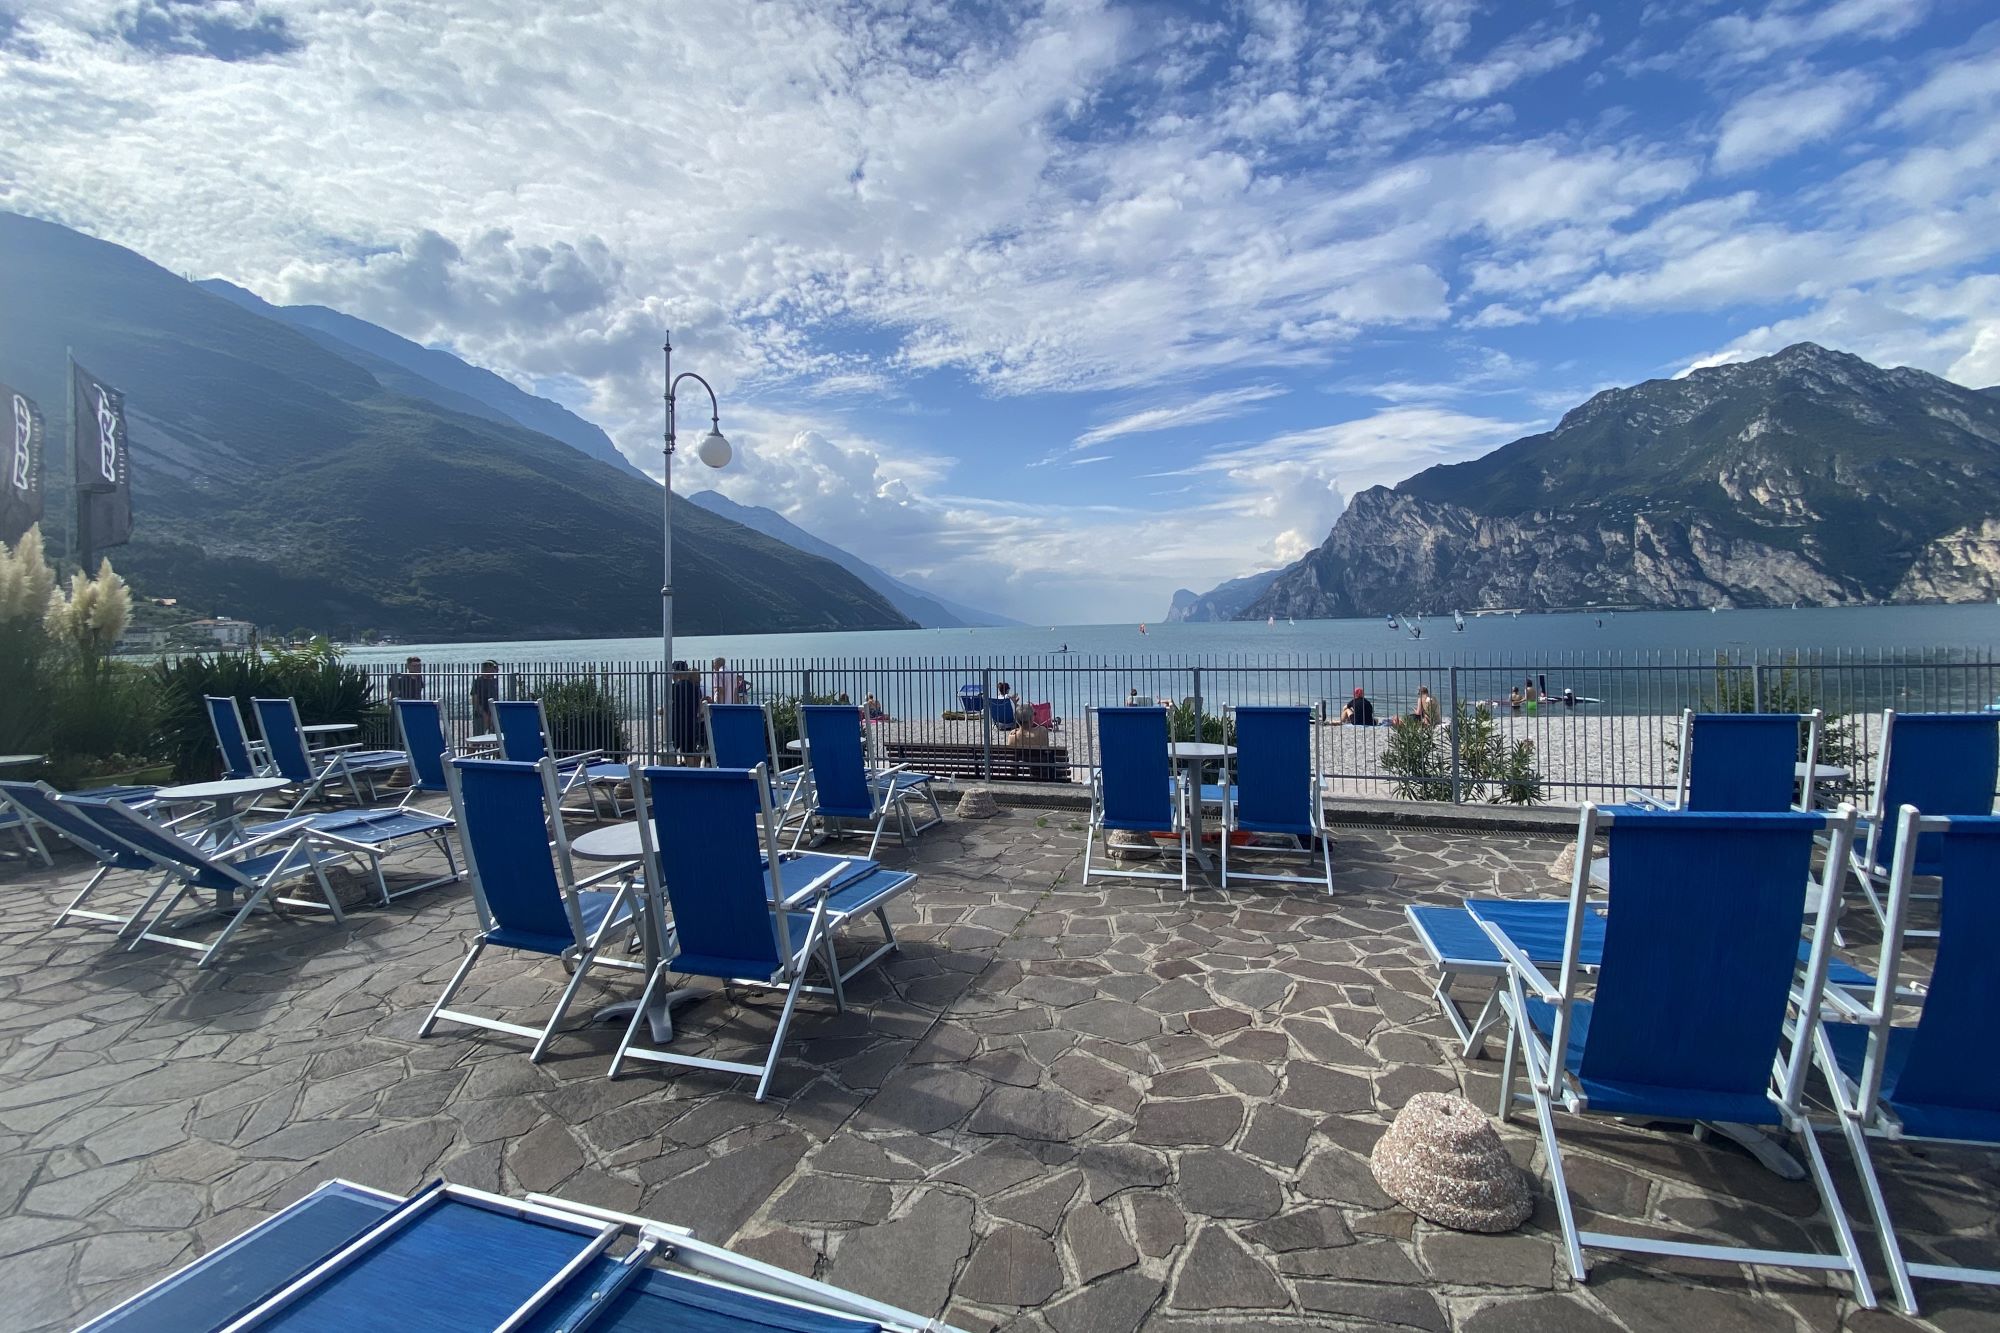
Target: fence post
x=1451, y=689
x=986, y=723
x=1756, y=686
x=1200, y=731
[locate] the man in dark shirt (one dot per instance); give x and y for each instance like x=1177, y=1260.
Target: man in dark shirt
x=485, y=689
x=1359, y=712
x=409, y=682
x=684, y=697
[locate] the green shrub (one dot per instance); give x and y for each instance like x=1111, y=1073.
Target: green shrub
x=582, y=715
x=327, y=690
x=1489, y=768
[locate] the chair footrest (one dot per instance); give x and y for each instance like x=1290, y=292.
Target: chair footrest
x=1728, y=1254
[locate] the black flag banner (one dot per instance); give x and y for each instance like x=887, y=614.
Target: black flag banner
x=103, y=464
x=21, y=458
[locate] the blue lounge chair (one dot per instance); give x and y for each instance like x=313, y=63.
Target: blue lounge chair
x=37, y=803
x=1941, y=763
x=524, y=739
x=524, y=886
x=308, y=770
x=1273, y=789
x=1934, y=1080
x=1742, y=762
x=742, y=736
x=1133, y=788
x=743, y=913
x=25, y=836
x=421, y=724
x=1688, y=1019
x=241, y=756
x=238, y=879
x=845, y=787
x=449, y=1259
x=1006, y=716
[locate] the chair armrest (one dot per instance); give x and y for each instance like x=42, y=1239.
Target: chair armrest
x=817, y=889
x=1511, y=954
x=580, y=756
x=621, y=868
x=874, y=773
x=1646, y=800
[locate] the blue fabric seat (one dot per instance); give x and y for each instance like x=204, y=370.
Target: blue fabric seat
x=1688, y=1016
x=241, y=757
x=310, y=772
x=1274, y=789
x=449, y=1259
x=37, y=805
x=253, y=868
x=844, y=787
x=1134, y=789
x=1939, y=764
x=743, y=736
x=1746, y=763
x=524, y=887
x=523, y=728
x=743, y=912
x=1934, y=1078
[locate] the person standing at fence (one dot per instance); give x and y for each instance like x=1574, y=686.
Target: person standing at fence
x=684, y=698
x=409, y=682
x=1426, y=711
x=485, y=689
x=723, y=683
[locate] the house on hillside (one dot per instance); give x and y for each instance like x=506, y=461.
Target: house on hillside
x=226, y=632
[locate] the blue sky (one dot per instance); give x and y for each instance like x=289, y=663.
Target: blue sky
x=1055, y=308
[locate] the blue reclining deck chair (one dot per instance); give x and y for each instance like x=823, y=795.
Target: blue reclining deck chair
x=449, y=1259
x=1943, y=764
x=1743, y=762
x=39, y=804
x=1935, y=1080
x=27, y=821
x=524, y=739
x=308, y=770
x=844, y=787
x=1688, y=1020
x=241, y=756
x=1274, y=789
x=1133, y=788
x=272, y=855
x=742, y=736
x=420, y=722
x=743, y=913
x=524, y=886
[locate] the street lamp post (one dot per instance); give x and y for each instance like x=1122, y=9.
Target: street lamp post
x=713, y=450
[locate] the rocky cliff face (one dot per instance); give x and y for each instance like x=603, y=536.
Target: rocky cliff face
x=1223, y=601
x=1809, y=476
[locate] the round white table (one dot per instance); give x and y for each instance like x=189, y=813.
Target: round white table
x=224, y=798
x=1191, y=755
x=10, y=760
x=613, y=842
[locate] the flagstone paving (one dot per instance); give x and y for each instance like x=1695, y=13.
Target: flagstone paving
x=1064, y=1108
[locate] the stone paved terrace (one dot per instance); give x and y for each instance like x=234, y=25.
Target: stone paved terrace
x=1069, y=1109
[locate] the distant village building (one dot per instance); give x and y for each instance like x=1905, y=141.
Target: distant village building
x=226, y=632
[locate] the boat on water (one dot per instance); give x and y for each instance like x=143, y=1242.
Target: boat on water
x=1393, y=624
x=1270, y=622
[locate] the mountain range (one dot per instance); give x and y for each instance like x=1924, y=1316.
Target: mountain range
x=1808, y=476
x=1221, y=602
x=293, y=468
x=926, y=608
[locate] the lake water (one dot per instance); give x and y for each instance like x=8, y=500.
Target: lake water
x=1514, y=640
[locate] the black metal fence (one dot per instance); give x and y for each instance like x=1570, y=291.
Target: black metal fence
x=1602, y=723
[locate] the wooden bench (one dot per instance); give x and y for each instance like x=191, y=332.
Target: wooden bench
x=957, y=759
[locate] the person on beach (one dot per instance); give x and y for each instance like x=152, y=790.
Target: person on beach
x=1514, y=699
x=872, y=710
x=723, y=684
x=1531, y=700
x=1133, y=700
x=485, y=689
x=409, y=682
x=1359, y=712
x=1426, y=710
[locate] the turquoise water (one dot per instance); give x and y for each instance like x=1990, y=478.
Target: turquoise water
x=1515, y=640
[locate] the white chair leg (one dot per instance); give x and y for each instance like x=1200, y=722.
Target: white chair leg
x=778, y=1037
x=562, y=1005
x=1878, y=1211
x=1843, y=1230
x=1559, y=1184
x=451, y=987
x=638, y=1017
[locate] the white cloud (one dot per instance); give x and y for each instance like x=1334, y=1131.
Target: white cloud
x=1193, y=412
x=1773, y=122
x=1950, y=328
x=1786, y=25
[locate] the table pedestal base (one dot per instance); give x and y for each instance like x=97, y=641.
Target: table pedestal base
x=659, y=1014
